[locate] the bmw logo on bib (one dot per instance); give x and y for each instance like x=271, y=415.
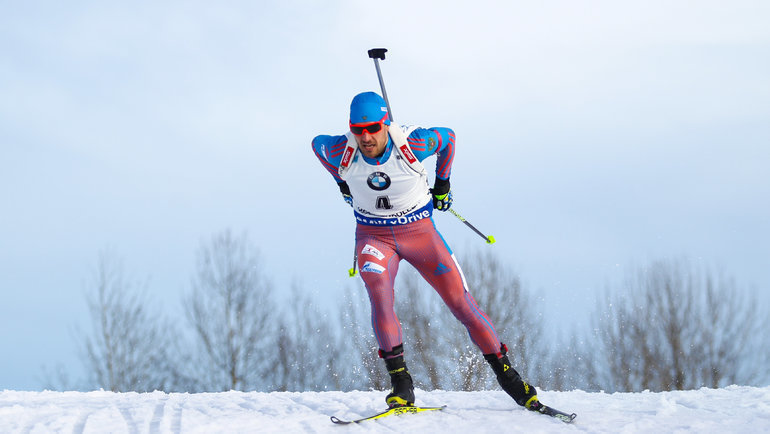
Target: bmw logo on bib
x=378, y=181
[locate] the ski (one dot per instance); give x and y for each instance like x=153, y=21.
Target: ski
x=407, y=409
x=411, y=409
x=562, y=416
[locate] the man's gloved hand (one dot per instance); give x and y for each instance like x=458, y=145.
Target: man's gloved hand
x=345, y=190
x=442, y=196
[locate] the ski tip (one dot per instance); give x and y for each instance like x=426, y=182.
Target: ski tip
x=556, y=414
x=566, y=418
x=338, y=421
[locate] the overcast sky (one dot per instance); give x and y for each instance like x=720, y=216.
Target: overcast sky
x=592, y=138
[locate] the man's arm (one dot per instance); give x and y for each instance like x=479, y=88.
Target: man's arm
x=425, y=142
x=328, y=150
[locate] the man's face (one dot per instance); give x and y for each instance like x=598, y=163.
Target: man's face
x=371, y=144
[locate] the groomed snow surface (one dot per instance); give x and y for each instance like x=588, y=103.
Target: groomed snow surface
x=734, y=409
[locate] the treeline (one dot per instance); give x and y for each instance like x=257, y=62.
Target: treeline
x=669, y=326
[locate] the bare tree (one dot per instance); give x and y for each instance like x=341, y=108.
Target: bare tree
x=416, y=307
x=231, y=309
x=360, y=361
x=511, y=308
x=129, y=348
x=572, y=364
x=674, y=328
x=57, y=377
x=306, y=346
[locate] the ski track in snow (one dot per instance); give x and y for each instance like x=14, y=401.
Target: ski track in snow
x=735, y=409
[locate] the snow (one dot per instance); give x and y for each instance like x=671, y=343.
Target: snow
x=732, y=409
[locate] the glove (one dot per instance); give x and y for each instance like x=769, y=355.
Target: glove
x=345, y=190
x=442, y=196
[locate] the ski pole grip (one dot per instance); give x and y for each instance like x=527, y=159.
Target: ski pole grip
x=377, y=53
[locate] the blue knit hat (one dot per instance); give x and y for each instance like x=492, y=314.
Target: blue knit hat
x=368, y=107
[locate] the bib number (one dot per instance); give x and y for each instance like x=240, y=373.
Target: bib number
x=383, y=202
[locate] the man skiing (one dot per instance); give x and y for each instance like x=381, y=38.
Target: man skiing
x=378, y=168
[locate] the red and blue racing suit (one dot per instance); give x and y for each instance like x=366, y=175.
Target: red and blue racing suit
x=382, y=243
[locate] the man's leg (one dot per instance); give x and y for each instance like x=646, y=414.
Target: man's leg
x=378, y=264
x=511, y=382
x=432, y=257
x=425, y=249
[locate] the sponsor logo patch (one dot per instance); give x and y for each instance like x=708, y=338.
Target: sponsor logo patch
x=371, y=267
x=378, y=181
x=394, y=221
x=369, y=250
x=408, y=153
x=441, y=269
x=346, y=157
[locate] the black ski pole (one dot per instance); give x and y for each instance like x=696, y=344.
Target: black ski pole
x=489, y=239
x=376, y=54
x=379, y=54
x=352, y=271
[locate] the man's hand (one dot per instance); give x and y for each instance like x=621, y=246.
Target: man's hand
x=442, y=195
x=345, y=190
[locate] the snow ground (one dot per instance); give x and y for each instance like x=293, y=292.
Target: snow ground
x=730, y=410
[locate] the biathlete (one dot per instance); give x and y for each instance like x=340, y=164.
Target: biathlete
x=378, y=168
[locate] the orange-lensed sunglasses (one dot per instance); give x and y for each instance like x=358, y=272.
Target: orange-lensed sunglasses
x=369, y=128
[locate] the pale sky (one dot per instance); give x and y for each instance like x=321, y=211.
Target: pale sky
x=592, y=138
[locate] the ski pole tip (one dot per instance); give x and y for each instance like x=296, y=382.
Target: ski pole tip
x=490, y=239
x=352, y=272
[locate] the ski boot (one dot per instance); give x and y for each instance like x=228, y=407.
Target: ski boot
x=511, y=382
x=402, y=392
